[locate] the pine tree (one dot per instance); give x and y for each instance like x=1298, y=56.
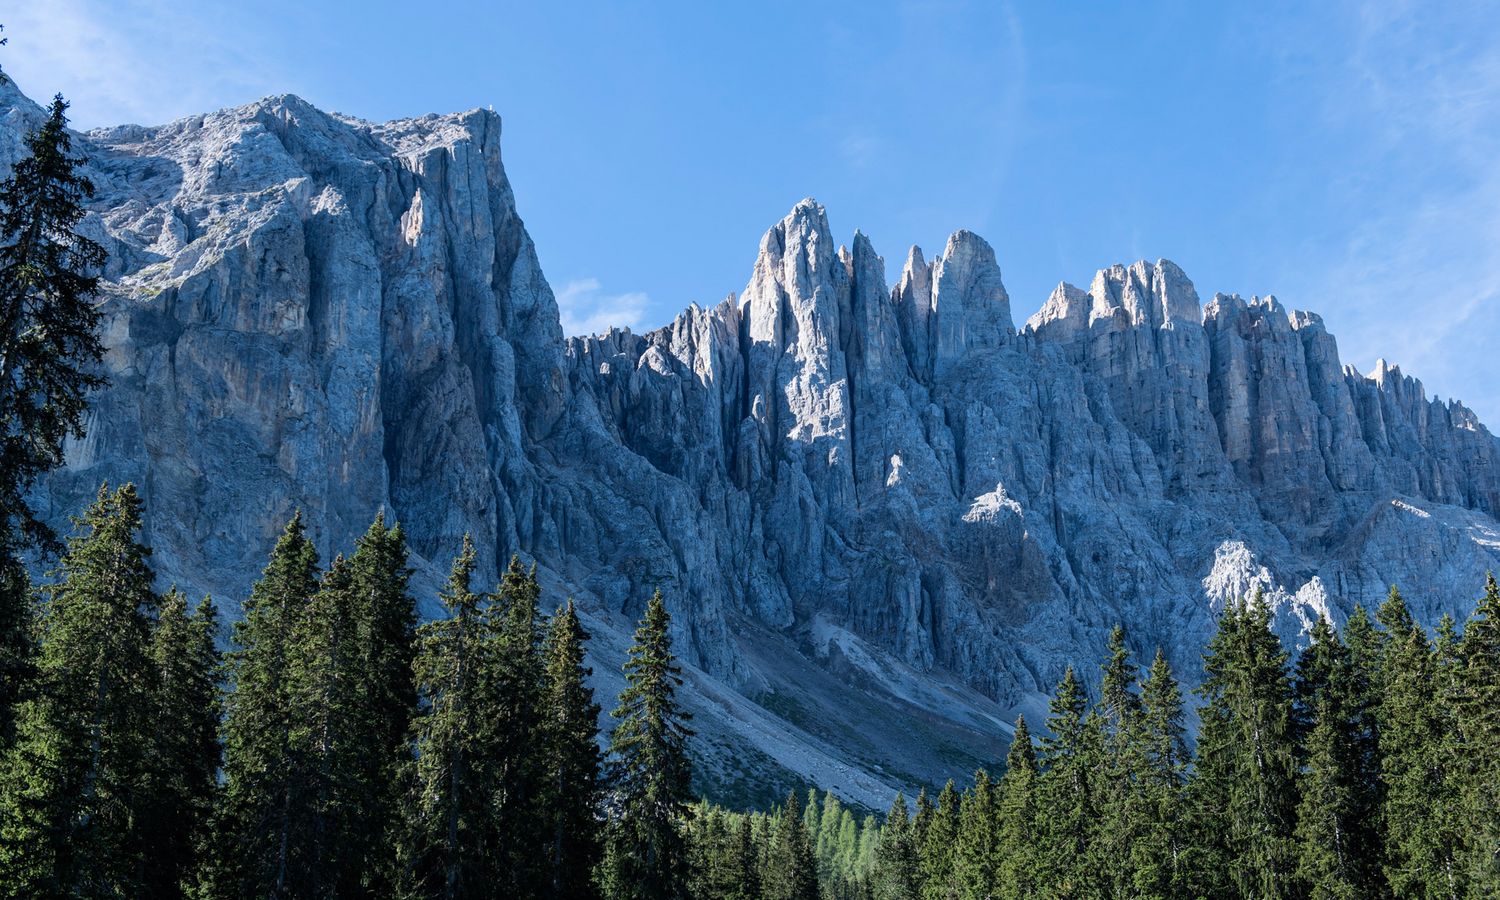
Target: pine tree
x=897, y=860
x=253, y=832
x=448, y=817
x=72, y=796
x=49, y=351
x=792, y=872
x=1019, y=864
x=1244, y=790
x=329, y=835
x=937, y=846
x=976, y=851
x=49, y=345
x=383, y=619
x=649, y=771
x=184, y=762
x=1117, y=771
x=515, y=734
x=1416, y=759
x=1160, y=758
x=573, y=796
x=1335, y=843
x=1067, y=803
x=1476, y=670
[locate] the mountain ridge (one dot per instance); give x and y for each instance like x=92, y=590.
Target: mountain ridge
x=879, y=506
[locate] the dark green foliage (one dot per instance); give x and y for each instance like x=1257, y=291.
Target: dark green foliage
x=259, y=834
x=74, y=790
x=1159, y=760
x=977, y=851
x=1067, y=801
x=791, y=872
x=1474, y=665
x=444, y=849
x=1019, y=868
x=49, y=346
x=1244, y=788
x=572, y=804
x=184, y=761
x=649, y=771
x=897, y=876
x=17, y=649
x=1336, y=841
x=938, y=838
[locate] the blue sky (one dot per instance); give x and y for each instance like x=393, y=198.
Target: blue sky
x=1339, y=155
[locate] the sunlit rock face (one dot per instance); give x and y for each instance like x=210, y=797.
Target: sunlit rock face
x=858, y=496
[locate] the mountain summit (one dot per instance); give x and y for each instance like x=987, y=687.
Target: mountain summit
x=886, y=519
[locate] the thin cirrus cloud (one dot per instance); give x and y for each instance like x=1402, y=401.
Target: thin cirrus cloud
x=587, y=309
x=121, y=62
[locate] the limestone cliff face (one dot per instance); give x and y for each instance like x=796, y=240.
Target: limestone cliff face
x=883, y=514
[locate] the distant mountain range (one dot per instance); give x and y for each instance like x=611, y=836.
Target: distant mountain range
x=885, y=518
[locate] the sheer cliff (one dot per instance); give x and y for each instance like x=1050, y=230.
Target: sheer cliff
x=886, y=517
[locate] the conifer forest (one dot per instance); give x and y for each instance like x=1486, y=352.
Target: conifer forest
x=328, y=744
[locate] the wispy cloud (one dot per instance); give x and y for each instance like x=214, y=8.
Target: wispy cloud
x=143, y=61
x=587, y=309
x=1423, y=266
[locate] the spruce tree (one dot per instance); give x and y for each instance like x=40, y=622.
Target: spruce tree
x=1244, y=789
x=329, y=835
x=649, y=772
x=937, y=845
x=1068, y=792
x=791, y=872
x=1417, y=755
x=444, y=850
x=49, y=342
x=1117, y=770
x=185, y=753
x=897, y=860
x=1476, y=681
x=1018, y=873
x=1335, y=841
x=515, y=738
x=976, y=851
x=384, y=619
x=49, y=351
x=573, y=792
x=73, y=794
x=254, y=831
x=1160, y=759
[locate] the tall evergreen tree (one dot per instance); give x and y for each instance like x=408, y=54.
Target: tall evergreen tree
x=1336, y=848
x=1416, y=759
x=329, y=838
x=49, y=351
x=938, y=840
x=383, y=622
x=649, y=771
x=1067, y=803
x=73, y=793
x=254, y=836
x=896, y=869
x=1159, y=759
x=573, y=794
x=1018, y=876
x=976, y=853
x=1476, y=681
x=1244, y=784
x=792, y=872
x=49, y=342
x=184, y=763
x=1117, y=769
x=515, y=735
x=447, y=821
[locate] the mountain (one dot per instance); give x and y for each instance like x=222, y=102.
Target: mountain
x=886, y=518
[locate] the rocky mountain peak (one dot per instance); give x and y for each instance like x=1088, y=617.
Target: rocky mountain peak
x=874, y=510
